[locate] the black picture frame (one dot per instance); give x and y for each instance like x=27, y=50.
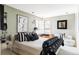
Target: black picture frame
x=62, y=24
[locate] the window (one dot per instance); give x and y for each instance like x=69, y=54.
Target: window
x=47, y=26
x=40, y=26
x=43, y=26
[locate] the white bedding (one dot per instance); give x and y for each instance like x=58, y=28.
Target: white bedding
x=33, y=47
x=34, y=44
x=66, y=50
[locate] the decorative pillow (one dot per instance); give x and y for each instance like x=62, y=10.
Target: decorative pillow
x=35, y=36
x=27, y=36
x=24, y=36
x=57, y=34
x=31, y=36
x=20, y=36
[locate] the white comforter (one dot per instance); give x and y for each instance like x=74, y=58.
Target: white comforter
x=33, y=47
x=66, y=50
x=34, y=44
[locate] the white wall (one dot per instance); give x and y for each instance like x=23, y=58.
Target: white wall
x=70, y=24
x=77, y=28
x=12, y=20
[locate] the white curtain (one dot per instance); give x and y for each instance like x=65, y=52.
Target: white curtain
x=44, y=26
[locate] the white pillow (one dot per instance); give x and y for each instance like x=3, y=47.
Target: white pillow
x=57, y=34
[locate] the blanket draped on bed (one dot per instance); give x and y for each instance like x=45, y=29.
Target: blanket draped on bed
x=50, y=46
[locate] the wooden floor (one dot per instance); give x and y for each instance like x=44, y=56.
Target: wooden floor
x=5, y=50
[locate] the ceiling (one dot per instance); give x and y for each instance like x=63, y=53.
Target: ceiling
x=46, y=10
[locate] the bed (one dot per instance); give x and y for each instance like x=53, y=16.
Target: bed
x=30, y=44
x=28, y=47
x=66, y=50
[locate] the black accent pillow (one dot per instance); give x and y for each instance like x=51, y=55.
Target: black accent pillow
x=35, y=36
x=31, y=37
x=27, y=36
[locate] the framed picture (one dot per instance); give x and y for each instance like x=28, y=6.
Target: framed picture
x=62, y=24
x=21, y=23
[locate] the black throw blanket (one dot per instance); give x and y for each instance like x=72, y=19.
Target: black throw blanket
x=51, y=46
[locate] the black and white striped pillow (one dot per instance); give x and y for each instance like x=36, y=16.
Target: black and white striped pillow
x=21, y=37
x=25, y=37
